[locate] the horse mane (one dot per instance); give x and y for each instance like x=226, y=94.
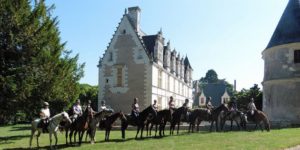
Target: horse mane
x=114, y=116
x=145, y=111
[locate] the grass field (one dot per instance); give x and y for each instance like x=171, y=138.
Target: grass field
x=17, y=138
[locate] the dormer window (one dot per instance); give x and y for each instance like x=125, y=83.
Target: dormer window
x=297, y=56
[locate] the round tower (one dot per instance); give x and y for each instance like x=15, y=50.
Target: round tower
x=281, y=83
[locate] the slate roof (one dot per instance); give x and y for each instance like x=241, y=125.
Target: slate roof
x=288, y=28
x=187, y=62
x=149, y=42
x=215, y=91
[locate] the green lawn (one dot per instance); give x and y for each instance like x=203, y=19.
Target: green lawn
x=17, y=137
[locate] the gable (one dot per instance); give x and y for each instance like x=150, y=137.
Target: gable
x=125, y=36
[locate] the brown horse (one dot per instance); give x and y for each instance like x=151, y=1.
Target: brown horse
x=162, y=117
x=78, y=126
x=215, y=113
x=176, y=118
x=92, y=125
x=258, y=118
x=139, y=121
x=236, y=116
x=197, y=114
x=107, y=124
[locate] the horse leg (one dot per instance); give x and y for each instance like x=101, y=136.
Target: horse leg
x=75, y=134
x=50, y=137
x=137, y=132
x=37, y=138
x=142, y=129
x=80, y=141
x=217, y=125
x=66, y=135
x=155, y=130
x=55, y=135
x=147, y=128
x=178, y=127
x=238, y=125
x=151, y=126
x=211, y=125
x=70, y=136
x=260, y=125
x=31, y=137
x=87, y=134
x=108, y=134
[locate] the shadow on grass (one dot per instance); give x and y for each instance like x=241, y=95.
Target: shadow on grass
x=59, y=146
x=9, y=139
x=20, y=128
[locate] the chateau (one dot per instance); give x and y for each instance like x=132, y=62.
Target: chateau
x=144, y=66
x=281, y=84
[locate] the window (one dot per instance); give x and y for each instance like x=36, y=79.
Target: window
x=297, y=56
x=140, y=55
x=159, y=78
x=110, y=56
x=107, y=80
x=202, y=101
x=119, y=76
x=124, y=31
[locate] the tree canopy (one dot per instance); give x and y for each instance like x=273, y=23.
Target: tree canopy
x=35, y=65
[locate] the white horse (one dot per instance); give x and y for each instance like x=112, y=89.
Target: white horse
x=52, y=127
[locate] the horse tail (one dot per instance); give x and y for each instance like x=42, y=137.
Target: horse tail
x=266, y=121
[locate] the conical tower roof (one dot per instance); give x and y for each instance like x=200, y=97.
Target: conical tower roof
x=288, y=28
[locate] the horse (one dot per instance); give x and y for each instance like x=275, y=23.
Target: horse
x=258, y=118
x=52, y=127
x=79, y=125
x=139, y=121
x=197, y=114
x=176, y=118
x=236, y=116
x=108, y=123
x=161, y=119
x=215, y=113
x=92, y=125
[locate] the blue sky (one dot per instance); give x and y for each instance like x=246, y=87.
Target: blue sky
x=225, y=35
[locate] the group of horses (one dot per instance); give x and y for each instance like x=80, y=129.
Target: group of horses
x=149, y=117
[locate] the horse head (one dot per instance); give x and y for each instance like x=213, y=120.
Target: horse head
x=65, y=117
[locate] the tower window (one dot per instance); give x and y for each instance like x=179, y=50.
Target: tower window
x=297, y=56
x=124, y=31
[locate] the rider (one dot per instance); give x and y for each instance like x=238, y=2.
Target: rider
x=45, y=115
x=135, y=108
x=89, y=108
x=171, y=105
x=103, y=106
x=209, y=105
x=233, y=105
x=155, y=105
x=77, y=110
x=251, y=106
x=185, y=104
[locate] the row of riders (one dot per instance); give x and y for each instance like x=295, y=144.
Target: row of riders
x=79, y=121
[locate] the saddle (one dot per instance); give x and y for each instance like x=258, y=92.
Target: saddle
x=43, y=124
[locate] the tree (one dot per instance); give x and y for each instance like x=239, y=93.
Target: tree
x=34, y=64
x=88, y=92
x=210, y=77
x=243, y=97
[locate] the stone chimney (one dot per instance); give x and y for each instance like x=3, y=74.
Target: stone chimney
x=134, y=13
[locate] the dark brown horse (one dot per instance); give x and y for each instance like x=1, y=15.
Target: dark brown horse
x=163, y=116
x=200, y=115
x=258, y=118
x=92, y=126
x=236, y=116
x=139, y=121
x=176, y=118
x=107, y=124
x=215, y=113
x=78, y=126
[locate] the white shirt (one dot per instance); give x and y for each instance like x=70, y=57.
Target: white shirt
x=103, y=107
x=77, y=109
x=45, y=112
x=251, y=106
